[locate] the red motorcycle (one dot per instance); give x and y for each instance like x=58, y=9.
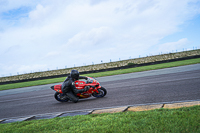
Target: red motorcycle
x=95, y=90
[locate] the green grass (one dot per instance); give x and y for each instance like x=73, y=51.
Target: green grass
x=182, y=120
x=100, y=74
x=146, y=68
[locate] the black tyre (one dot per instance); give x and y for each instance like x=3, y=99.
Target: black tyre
x=59, y=96
x=102, y=92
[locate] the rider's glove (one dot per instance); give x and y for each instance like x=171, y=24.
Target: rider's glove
x=88, y=80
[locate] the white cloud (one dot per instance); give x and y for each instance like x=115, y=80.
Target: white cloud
x=94, y=37
x=21, y=69
x=167, y=47
x=51, y=54
x=77, y=32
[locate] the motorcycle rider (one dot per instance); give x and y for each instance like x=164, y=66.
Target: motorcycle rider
x=68, y=87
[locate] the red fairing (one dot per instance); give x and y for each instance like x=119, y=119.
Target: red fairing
x=79, y=84
x=58, y=88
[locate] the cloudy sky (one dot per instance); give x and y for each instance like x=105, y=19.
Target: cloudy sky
x=41, y=35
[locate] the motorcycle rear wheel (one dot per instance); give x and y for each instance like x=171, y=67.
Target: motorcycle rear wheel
x=102, y=92
x=58, y=96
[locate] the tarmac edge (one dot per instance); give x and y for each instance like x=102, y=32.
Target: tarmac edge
x=134, y=108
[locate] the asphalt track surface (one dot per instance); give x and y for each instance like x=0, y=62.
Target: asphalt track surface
x=156, y=86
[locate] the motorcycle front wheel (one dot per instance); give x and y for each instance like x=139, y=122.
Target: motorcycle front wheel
x=102, y=92
x=59, y=97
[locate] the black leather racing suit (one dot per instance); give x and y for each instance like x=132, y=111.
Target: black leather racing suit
x=69, y=89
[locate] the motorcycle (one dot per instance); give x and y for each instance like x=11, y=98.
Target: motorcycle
x=95, y=90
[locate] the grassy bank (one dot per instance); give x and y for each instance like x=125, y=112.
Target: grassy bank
x=148, y=59
x=108, y=73
x=159, y=120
